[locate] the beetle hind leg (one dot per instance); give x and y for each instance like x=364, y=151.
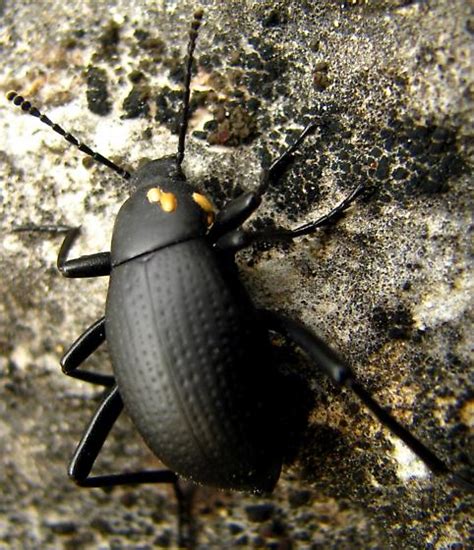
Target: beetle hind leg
x=329, y=362
x=89, y=448
x=91, y=444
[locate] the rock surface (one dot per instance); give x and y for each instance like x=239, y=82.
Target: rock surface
x=391, y=85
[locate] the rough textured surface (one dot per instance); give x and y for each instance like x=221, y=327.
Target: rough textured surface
x=391, y=84
x=191, y=366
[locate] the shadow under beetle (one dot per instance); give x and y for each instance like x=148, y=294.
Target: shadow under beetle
x=190, y=352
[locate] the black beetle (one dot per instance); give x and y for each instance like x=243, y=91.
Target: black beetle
x=190, y=352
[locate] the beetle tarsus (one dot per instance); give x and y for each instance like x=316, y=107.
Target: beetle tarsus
x=198, y=346
x=272, y=174
x=184, y=492
x=90, y=265
x=31, y=228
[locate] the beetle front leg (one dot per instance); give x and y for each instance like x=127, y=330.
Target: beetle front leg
x=238, y=210
x=234, y=214
x=329, y=362
x=276, y=169
x=91, y=265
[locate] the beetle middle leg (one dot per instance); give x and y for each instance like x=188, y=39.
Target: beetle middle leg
x=282, y=234
x=238, y=239
x=329, y=362
x=93, y=265
x=81, y=349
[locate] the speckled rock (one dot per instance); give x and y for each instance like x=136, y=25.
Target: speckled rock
x=391, y=86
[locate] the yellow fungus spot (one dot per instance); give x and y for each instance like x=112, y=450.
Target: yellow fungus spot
x=206, y=205
x=167, y=201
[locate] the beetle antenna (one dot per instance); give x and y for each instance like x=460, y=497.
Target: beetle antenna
x=183, y=126
x=27, y=107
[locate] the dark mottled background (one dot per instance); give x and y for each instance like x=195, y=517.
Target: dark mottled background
x=391, y=86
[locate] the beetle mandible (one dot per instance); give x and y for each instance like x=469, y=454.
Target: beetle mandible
x=190, y=352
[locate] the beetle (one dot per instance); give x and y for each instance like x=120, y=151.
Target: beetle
x=190, y=351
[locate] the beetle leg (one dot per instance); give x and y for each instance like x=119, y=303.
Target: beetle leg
x=90, y=446
x=81, y=349
x=184, y=492
x=273, y=173
x=91, y=443
x=241, y=208
x=234, y=214
x=329, y=362
x=328, y=219
x=91, y=265
x=238, y=239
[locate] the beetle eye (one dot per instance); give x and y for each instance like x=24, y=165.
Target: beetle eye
x=206, y=205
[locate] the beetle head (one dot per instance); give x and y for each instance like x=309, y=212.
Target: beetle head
x=162, y=210
x=156, y=172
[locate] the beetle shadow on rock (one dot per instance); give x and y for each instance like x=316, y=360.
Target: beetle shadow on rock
x=314, y=447
x=295, y=401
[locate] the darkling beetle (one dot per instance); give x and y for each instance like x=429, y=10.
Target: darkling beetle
x=190, y=352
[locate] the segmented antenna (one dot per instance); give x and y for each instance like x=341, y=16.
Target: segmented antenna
x=26, y=106
x=183, y=127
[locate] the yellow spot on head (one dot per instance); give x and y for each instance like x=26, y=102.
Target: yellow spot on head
x=154, y=194
x=167, y=201
x=206, y=205
x=203, y=202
